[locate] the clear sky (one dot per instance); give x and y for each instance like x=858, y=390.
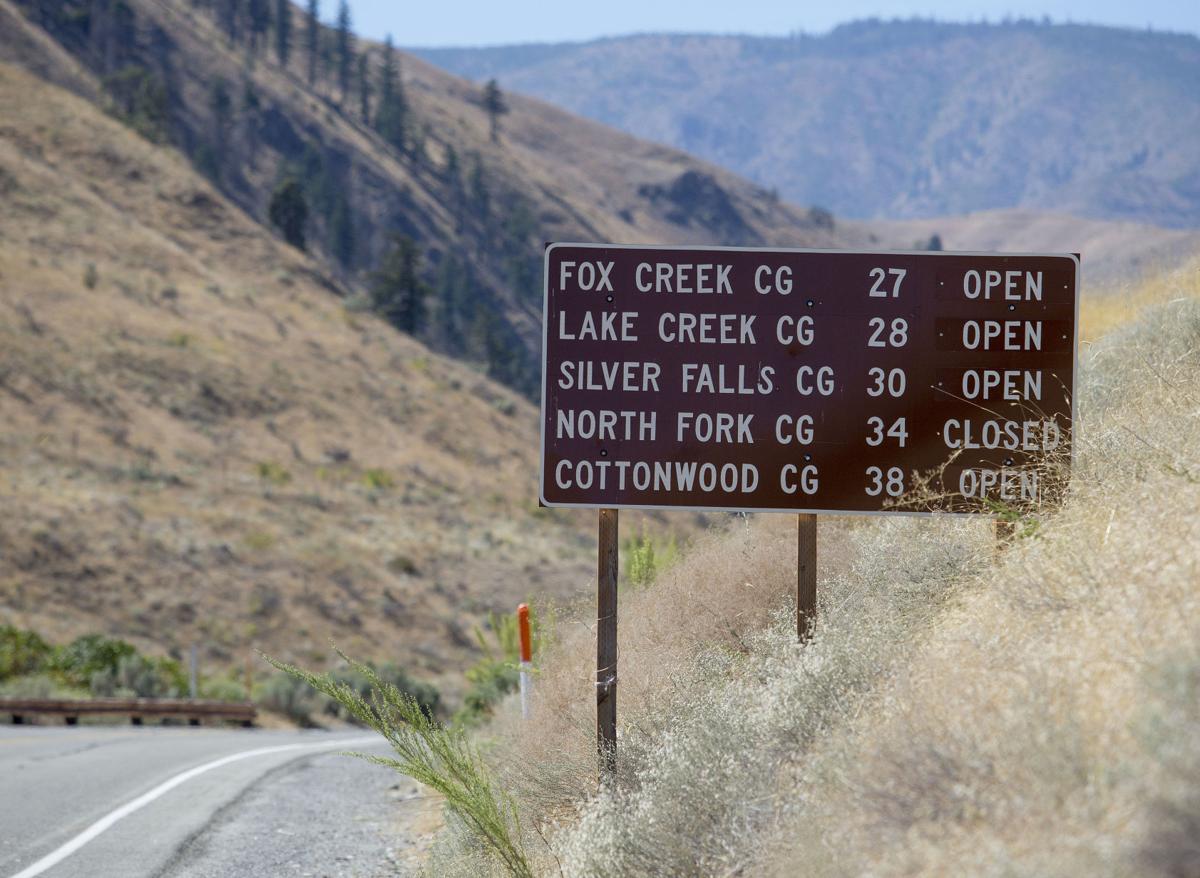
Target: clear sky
x=492, y=22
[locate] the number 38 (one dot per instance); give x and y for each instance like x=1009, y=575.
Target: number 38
x=892, y=483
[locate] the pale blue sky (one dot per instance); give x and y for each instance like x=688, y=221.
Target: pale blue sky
x=491, y=22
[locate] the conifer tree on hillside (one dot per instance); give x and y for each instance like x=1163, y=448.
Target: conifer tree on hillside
x=345, y=48
x=341, y=231
x=288, y=211
x=391, y=117
x=259, y=15
x=312, y=38
x=283, y=31
x=227, y=18
x=364, y=89
x=397, y=291
x=493, y=103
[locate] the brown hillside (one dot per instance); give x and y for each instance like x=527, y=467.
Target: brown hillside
x=199, y=443
x=249, y=122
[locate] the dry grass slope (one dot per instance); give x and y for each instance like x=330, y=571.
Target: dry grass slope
x=960, y=710
x=199, y=443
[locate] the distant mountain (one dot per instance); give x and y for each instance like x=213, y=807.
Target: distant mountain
x=902, y=119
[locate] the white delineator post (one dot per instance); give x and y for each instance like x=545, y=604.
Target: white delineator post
x=526, y=658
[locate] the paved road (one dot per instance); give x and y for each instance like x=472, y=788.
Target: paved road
x=93, y=801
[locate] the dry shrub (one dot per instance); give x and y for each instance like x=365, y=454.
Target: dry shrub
x=725, y=588
x=958, y=711
x=955, y=714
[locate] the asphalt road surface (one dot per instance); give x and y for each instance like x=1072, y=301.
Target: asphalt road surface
x=125, y=801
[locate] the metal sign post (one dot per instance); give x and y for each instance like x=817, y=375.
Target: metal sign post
x=806, y=574
x=606, y=643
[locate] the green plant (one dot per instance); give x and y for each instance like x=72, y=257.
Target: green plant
x=272, y=472
x=498, y=672
x=139, y=676
x=258, y=540
x=21, y=652
x=425, y=694
x=291, y=696
x=222, y=689
x=441, y=757
x=90, y=276
x=78, y=661
x=643, y=560
x=378, y=479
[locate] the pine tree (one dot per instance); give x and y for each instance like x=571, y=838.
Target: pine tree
x=220, y=104
x=288, y=211
x=341, y=231
x=364, y=89
x=397, y=291
x=313, y=38
x=283, y=31
x=227, y=17
x=493, y=102
x=259, y=14
x=451, y=171
x=345, y=48
x=391, y=117
x=481, y=196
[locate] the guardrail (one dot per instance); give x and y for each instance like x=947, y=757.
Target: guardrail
x=135, y=708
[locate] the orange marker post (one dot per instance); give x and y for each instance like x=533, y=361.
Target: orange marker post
x=526, y=657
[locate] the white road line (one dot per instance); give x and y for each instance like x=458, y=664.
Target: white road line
x=104, y=823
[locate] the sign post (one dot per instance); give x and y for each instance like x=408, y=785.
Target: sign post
x=800, y=381
x=526, y=646
x=806, y=573
x=606, y=643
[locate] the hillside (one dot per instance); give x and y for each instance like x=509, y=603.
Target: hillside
x=420, y=162
x=199, y=443
x=904, y=118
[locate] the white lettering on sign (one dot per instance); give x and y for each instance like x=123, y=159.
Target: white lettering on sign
x=819, y=380
x=720, y=428
x=627, y=376
x=1007, y=384
x=606, y=424
x=707, y=378
x=705, y=278
x=607, y=330
x=1008, y=435
x=1002, y=335
x=792, y=479
x=799, y=330
x=787, y=427
x=728, y=478
x=1003, y=484
x=589, y=276
x=981, y=284
x=688, y=328
x=780, y=282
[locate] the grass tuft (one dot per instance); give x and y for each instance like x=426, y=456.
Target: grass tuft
x=440, y=757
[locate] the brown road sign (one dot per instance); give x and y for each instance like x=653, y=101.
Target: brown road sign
x=804, y=380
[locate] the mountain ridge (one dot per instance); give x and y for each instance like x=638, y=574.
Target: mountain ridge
x=907, y=119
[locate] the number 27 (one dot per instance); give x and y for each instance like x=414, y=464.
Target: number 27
x=877, y=290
